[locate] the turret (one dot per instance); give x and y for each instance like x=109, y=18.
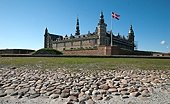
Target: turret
x=46, y=31
x=101, y=30
x=47, y=39
x=77, y=28
x=101, y=21
x=131, y=35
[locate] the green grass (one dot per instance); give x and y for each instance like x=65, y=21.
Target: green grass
x=87, y=63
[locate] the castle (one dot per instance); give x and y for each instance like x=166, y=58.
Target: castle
x=95, y=43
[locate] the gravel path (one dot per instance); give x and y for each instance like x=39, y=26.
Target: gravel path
x=25, y=86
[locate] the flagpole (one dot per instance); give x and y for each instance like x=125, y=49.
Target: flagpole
x=111, y=31
x=116, y=16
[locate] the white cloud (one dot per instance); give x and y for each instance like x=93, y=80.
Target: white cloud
x=163, y=42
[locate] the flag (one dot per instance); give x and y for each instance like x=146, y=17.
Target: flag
x=116, y=16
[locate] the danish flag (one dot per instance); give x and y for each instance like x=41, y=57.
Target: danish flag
x=116, y=16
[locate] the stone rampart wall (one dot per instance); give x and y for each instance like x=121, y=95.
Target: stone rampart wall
x=84, y=52
x=75, y=44
x=101, y=50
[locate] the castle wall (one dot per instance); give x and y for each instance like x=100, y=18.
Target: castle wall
x=68, y=45
x=86, y=43
x=98, y=51
x=101, y=50
x=74, y=48
x=76, y=44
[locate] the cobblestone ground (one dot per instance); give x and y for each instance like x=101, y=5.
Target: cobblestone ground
x=26, y=86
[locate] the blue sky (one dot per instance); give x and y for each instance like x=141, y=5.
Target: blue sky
x=22, y=22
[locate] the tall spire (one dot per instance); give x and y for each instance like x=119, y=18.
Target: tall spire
x=77, y=27
x=101, y=30
x=131, y=30
x=101, y=15
x=131, y=35
x=46, y=39
x=46, y=30
x=101, y=21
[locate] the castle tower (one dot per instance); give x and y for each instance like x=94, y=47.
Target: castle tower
x=101, y=30
x=131, y=35
x=47, y=39
x=77, y=28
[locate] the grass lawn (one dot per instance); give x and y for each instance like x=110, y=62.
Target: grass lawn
x=86, y=63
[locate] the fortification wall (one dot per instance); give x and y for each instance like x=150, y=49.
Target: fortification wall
x=101, y=50
x=75, y=44
x=83, y=52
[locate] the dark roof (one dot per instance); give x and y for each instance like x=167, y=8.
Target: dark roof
x=53, y=36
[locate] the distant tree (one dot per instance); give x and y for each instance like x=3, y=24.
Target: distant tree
x=47, y=51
